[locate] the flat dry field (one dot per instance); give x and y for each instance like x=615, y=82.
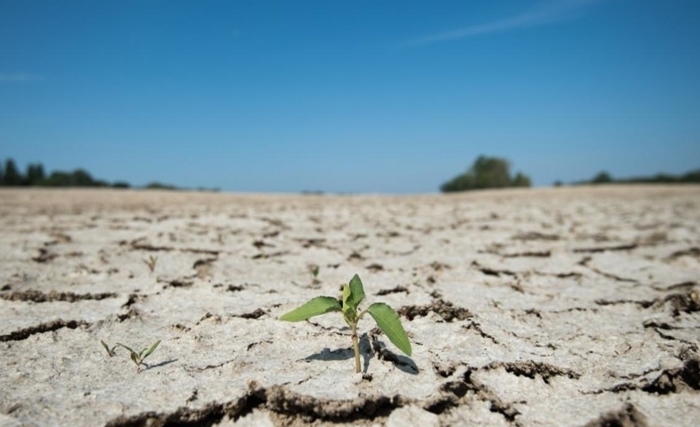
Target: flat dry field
x=546, y=307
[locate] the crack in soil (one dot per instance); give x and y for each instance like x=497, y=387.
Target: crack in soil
x=694, y=252
x=584, y=262
x=530, y=369
x=677, y=286
x=612, y=276
x=393, y=291
x=627, y=416
x=253, y=344
x=686, y=303
x=493, y=272
x=405, y=253
x=355, y=256
x=39, y=297
x=477, y=327
x=132, y=313
x=204, y=368
x=535, y=235
x=133, y=299
x=567, y=275
x=44, y=256
x=439, y=266
x=306, y=243
x=453, y=395
x=25, y=333
x=256, y=314
x=277, y=399
x=444, y=370
x=262, y=244
x=375, y=267
x=203, y=266
x=138, y=244
x=674, y=380
x=677, y=380
x=641, y=303
x=533, y=254
x=442, y=308
x=177, y=283
x=269, y=255
x=627, y=247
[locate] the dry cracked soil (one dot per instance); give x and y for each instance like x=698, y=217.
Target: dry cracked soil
x=545, y=307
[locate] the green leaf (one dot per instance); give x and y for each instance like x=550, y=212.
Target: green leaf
x=135, y=358
x=357, y=293
x=109, y=352
x=388, y=321
x=349, y=312
x=315, y=307
x=151, y=350
x=128, y=348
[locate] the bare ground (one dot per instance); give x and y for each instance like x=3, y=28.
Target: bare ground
x=553, y=307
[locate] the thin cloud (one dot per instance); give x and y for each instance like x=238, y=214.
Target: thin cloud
x=19, y=78
x=549, y=13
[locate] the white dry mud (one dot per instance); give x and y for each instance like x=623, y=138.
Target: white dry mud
x=553, y=307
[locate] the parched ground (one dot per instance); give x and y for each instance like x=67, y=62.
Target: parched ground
x=551, y=307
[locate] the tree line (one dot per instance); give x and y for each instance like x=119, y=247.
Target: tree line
x=12, y=176
x=604, y=177
x=35, y=176
x=494, y=172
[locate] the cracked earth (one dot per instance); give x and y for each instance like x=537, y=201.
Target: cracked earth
x=545, y=307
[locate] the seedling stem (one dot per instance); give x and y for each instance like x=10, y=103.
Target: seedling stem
x=356, y=347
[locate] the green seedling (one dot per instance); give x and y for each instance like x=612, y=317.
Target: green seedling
x=110, y=351
x=314, y=269
x=385, y=316
x=151, y=262
x=139, y=357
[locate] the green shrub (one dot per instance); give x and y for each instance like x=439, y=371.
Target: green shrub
x=486, y=172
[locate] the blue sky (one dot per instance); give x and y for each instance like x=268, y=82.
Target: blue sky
x=349, y=96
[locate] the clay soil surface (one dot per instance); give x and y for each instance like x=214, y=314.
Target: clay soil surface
x=545, y=307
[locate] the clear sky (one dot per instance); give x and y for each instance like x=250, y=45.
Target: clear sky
x=360, y=96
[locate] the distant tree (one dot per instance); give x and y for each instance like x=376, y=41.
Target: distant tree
x=2, y=174
x=77, y=178
x=602, y=178
x=12, y=176
x=121, y=184
x=486, y=172
x=57, y=179
x=35, y=174
x=521, y=180
x=692, y=176
x=81, y=178
x=461, y=182
x=491, y=172
x=558, y=183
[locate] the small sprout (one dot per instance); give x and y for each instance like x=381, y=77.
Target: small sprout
x=139, y=357
x=386, y=318
x=151, y=262
x=314, y=269
x=110, y=351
